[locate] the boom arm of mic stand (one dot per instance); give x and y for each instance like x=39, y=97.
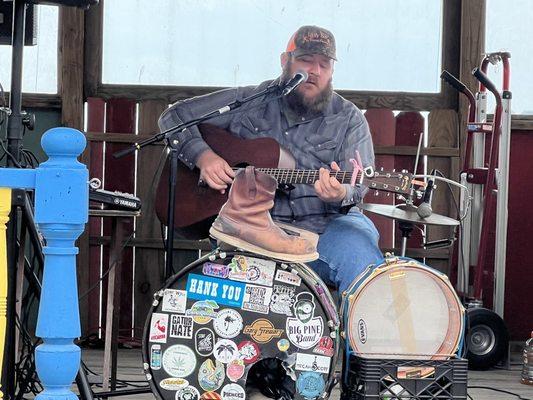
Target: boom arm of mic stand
x=181, y=127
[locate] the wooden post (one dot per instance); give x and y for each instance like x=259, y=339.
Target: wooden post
x=61, y=211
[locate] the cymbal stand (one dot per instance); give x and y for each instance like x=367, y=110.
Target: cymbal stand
x=406, y=228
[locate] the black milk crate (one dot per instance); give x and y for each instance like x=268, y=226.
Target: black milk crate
x=400, y=379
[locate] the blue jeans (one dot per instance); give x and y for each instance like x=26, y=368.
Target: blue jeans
x=348, y=245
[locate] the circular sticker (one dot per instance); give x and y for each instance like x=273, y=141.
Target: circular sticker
x=173, y=383
x=179, y=361
x=253, y=273
x=228, y=323
x=310, y=384
x=211, y=375
x=233, y=391
x=249, y=351
x=225, y=351
x=202, y=312
x=188, y=393
x=235, y=370
x=210, y=396
x=283, y=345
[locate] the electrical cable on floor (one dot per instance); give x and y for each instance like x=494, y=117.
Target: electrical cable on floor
x=500, y=391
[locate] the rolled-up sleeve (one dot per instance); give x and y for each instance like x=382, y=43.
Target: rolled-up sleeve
x=189, y=142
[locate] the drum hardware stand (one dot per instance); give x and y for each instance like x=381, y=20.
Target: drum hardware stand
x=485, y=181
x=170, y=136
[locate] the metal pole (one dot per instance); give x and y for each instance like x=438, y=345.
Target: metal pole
x=14, y=122
x=502, y=179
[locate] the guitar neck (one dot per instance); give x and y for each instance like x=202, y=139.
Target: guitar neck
x=305, y=176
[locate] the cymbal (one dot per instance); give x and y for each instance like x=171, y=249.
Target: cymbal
x=407, y=213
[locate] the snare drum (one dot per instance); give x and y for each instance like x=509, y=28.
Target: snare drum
x=402, y=309
x=227, y=312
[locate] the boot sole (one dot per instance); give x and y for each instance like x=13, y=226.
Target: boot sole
x=242, y=244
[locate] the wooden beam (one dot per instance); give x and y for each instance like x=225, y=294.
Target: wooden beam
x=70, y=65
x=411, y=151
x=118, y=138
x=451, y=42
x=154, y=243
x=363, y=99
x=92, y=69
x=472, y=46
x=39, y=100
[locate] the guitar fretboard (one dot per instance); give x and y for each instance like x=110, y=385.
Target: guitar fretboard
x=305, y=176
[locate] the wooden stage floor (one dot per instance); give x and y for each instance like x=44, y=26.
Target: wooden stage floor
x=130, y=369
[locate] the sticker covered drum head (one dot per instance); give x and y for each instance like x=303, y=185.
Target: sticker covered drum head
x=228, y=312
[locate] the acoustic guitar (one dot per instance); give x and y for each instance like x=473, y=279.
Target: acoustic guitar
x=197, y=206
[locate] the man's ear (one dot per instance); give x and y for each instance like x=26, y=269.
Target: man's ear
x=284, y=58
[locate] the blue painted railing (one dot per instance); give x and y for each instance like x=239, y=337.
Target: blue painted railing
x=61, y=212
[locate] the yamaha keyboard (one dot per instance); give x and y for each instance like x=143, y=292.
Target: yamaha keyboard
x=115, y=200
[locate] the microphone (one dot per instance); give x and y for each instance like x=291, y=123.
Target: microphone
x=298, y=78
x=424, y=210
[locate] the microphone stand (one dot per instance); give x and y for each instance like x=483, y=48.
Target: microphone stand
x=172, y=144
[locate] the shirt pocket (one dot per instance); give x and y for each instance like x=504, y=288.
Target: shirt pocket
x=323, y=148
x=250, y=126
x=326, y=140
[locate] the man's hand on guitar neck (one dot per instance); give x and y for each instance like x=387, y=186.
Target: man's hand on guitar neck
x=328, y=188
x=215, y=171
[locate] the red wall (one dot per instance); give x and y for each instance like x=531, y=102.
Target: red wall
x=518, y=312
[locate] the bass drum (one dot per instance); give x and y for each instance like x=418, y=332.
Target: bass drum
x=402, y=309
x=233, y=321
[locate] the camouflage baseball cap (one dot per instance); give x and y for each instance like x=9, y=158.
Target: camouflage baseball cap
x=311, y=39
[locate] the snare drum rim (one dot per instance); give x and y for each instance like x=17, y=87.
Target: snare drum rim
x=372, y=271
x=311, y=279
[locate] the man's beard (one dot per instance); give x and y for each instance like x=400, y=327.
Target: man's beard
x=305, y=106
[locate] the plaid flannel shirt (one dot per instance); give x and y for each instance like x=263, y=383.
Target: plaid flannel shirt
x=314, y=141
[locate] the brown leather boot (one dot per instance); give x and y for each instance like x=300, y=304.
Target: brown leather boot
x=245, y=222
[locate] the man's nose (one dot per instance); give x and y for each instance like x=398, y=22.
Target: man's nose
x=315, y=69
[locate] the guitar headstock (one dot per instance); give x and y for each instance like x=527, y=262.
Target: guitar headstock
x=391, y=181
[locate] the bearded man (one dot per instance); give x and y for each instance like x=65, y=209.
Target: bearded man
x=321, y=130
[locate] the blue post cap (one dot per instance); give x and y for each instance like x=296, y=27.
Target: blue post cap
x=65, y=144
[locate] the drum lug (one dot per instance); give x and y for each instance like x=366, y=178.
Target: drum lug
x=343, y=335
x=157, y=296
x=390, y=258
x=332, y=335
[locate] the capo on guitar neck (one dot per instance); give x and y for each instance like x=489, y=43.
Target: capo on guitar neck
x=357, y=168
